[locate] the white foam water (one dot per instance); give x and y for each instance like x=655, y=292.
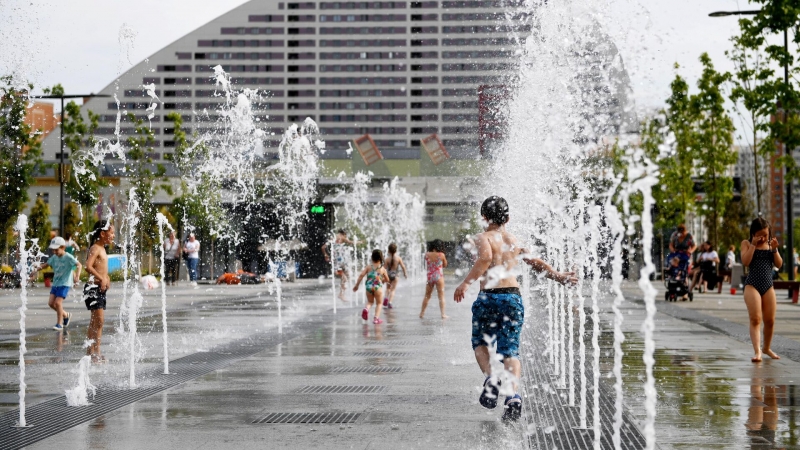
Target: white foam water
x=79, y=395
x=22, y=227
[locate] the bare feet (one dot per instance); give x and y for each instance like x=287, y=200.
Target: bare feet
x=422, y=316
x=771, y=354
x=757, y=358
x=445, y=317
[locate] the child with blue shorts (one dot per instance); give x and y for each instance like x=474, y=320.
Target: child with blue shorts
x=498, y=313
x=66, y=271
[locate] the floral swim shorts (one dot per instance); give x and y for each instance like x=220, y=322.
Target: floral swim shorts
x=497, y=316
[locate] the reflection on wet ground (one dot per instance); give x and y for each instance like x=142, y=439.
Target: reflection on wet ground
x=709, y=393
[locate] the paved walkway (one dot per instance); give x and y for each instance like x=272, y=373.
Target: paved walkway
x=408, y=383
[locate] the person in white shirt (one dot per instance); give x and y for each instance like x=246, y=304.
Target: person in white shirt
x=730, y=261
x=192, y=251
x=707, y=264
x=172, y=255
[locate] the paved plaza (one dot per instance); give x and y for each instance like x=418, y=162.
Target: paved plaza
x=237, y=382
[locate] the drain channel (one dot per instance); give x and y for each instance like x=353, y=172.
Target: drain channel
x=54, y=416
x=342, y=389
x=367, y=369
x=383, y=354
x=284, y=417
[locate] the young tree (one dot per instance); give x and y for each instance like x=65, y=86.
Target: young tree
x=736, y=221
x=754, y=87
x=712, y=131
x=675, y=198
x=39, y=225
x=83, y=188
x=144, y=177
x=763, y=33
x=200, y=204
x=20, y=152
x=72, y=220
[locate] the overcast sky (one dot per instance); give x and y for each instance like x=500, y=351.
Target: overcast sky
x=75, y=42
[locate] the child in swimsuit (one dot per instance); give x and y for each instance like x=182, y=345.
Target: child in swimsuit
x=435, y=262
x=393, y=262
x=340, y=253
x=376, y=276
x=759, y=255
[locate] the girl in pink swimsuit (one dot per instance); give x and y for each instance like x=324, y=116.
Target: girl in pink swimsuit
x=435, y=261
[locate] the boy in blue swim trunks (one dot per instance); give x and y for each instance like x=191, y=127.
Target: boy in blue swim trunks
x=66, y=271
x=498, y=313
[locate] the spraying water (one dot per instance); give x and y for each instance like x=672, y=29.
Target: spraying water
x=163, y=222
x=22, y=227
x=79, y=395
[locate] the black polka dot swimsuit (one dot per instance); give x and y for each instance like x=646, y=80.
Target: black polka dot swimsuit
x=760, y=275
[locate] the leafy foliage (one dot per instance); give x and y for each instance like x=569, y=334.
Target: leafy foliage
x=82, y=188
x=20, y=152
x=144, y=177
x=712, y=138
x=39, y=224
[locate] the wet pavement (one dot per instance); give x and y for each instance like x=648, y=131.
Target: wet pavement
x=407, y=383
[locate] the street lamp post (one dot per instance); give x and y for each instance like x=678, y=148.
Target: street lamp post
x=789, y=184
x=62, y=172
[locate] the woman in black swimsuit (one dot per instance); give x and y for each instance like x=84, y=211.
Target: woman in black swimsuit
x=760, y=254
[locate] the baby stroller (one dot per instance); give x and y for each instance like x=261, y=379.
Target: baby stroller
x=676, y=279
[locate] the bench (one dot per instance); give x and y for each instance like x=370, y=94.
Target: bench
x=793, y=286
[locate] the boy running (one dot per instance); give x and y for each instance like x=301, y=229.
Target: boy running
x=498, y=313
x=66, y=272
x=94, y=292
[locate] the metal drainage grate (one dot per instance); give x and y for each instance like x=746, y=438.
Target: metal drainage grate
x=342, y=389
x=392, y=342
x=309, y=418
x=383, y=354
x=54, y=416
x=367, y=369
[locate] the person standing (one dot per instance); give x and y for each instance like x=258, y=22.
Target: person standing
x=435, y=262
x=172, y=255
x=340, y=254
x=393, y=263
x=66, y=272
x=94, y=291
x=498, y=313
x=192, y=251
x=760, y=254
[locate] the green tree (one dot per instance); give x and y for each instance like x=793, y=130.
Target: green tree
x=83, y=187
x=201, y=203
x=20, y=152
x=39, y=225
x=84, y=184
x=72, y=220
x=674, y=196
x=764, y=33
x=736, y=222
x=712, y=131
x=753, y=92
x=145, y=177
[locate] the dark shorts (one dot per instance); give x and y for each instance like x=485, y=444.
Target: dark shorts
x=60, y=291
x=94, y=297
x=498, y=315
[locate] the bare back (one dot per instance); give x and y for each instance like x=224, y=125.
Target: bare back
x=500, y=249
